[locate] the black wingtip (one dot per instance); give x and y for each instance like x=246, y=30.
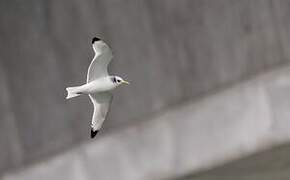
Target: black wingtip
x=94, y=133
x=95, y=39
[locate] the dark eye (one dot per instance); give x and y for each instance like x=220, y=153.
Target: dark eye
x=118, y=80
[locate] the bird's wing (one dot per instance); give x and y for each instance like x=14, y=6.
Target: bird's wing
x=101, y=102
x=98, y=66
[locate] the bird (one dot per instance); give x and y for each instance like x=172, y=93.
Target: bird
x=99, y=84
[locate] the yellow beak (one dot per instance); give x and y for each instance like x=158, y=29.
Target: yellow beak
x=125, y=82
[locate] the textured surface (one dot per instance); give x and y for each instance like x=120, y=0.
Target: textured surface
x=267, y=165
x=171, y=51
x=195, y=136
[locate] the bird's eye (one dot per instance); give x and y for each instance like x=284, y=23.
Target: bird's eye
x=118, y=80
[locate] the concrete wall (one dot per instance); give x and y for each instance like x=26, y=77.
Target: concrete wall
x=196, y=136
x=265, y=165
x=171, y=52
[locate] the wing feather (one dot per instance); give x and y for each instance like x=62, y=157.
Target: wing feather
x=99, y=65
x=101, y=102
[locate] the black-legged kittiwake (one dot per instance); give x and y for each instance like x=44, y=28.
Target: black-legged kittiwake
x=99, y=84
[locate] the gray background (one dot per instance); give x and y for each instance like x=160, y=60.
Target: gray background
x=171, y=52
x=265, y=165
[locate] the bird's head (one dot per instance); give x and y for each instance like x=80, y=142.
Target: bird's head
x=99, y=45
x=118, y=80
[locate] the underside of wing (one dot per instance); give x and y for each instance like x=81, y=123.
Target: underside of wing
x=101, y=102
x=99, y=65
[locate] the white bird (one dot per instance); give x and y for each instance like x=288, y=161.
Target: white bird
x=99, y=84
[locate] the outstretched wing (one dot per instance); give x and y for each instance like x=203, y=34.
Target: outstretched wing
x=101, y=102
x=99, y=65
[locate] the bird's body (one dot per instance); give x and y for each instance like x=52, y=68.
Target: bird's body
x=99, y=84
x=96, y=86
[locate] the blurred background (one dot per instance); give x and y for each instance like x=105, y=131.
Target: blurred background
x=209, y=94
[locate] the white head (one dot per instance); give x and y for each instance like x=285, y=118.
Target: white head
x=99, y=45
x=118, y=80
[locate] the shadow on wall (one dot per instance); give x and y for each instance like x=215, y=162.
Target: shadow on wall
x=266, y=165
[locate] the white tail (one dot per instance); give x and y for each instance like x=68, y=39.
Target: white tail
x=72, y=92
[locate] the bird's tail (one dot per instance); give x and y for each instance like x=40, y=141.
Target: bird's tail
x=72, y=92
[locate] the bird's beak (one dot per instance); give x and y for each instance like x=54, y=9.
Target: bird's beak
x=125, y=82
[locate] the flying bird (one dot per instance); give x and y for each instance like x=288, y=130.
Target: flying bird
x=99, y=84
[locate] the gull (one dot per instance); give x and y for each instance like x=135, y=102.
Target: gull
x=99, y=84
